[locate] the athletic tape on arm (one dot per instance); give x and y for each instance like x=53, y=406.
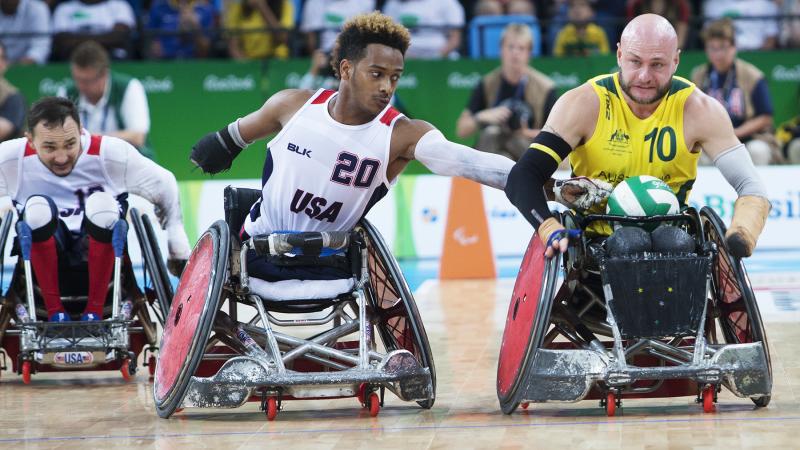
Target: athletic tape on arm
x=443, y=157
x=738, y=169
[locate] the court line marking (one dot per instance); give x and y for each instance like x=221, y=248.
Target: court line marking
x=398, y=429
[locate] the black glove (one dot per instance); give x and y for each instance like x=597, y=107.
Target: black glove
x=215, y=152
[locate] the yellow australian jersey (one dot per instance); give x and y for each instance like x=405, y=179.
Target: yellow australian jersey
x=624, y=145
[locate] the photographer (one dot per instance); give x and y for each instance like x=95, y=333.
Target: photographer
x=511, y=103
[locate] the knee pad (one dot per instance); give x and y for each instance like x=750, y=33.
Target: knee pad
x=102, y=212
x=760, y=152
x=41, y=215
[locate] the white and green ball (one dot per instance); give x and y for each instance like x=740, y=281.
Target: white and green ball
x=642, y=196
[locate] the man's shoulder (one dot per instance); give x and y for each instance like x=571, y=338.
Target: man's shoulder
x=10, y=149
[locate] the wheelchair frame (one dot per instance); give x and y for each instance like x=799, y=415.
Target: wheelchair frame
x=255, y=360
x=534, y=367
x=111, y=344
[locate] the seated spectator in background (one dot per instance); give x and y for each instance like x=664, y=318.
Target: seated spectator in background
x=109, y=103
x=187, y=24
x=322, y=20
x=581, y=37
x=790, y=28
x=752, y=32
x=435, y=26
x=12, y=104
x=25, y=16
x=320, y=74
x=678, y=12
x=107, y=22
x=504, y=8
x=510, y=104
x=742, y=90
x=246, y=20
x=788, y=136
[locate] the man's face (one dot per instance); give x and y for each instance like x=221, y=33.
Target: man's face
x=646, y=69
x=515, y=53
x=90, y=81
x=721, y=54
x=58, y=146
x=373, y=78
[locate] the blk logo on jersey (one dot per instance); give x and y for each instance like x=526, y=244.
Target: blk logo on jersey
x=315, y=207
x=296, y=149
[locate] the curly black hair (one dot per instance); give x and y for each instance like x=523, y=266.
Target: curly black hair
x=365, y=29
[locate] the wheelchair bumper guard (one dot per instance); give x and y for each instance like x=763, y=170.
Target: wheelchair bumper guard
x=75, y=344
x=239, y=378
x=568, y=375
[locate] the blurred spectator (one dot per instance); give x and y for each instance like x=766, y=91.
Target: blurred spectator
x=788, y=136
x=322, y=20
x=504, y=7
x=246, y=21
x=320, y=74
x=435, y=26
x=742, y=90
x=110, y=103
x=790, y=28
x=752, y=31
x=108, y=22
x=12, y=104
x=581, y=37
x=678, y=12
x=184, y=27
x=25, y=16
x=510, y=104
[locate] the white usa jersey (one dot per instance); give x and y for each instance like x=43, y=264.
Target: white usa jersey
x=321, y=175
x=69, y=192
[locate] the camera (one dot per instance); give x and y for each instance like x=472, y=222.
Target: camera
x=520, y=111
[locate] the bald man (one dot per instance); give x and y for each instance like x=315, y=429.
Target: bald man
x=642, y=120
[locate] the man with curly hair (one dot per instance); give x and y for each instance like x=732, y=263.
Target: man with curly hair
x=337, y=153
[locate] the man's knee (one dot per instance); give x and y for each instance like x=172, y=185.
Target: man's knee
x=41, y=215
x=760, y=152
x=102, y=212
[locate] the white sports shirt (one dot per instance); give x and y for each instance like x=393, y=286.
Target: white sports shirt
x=321, y=175
x=105, y=164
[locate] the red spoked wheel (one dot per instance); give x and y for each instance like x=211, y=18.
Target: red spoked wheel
x=708, y=399
x=611, y=404
x=524, y=405
x=272, y=408
x=126, y=370
x=26, y=372
x=374, y=404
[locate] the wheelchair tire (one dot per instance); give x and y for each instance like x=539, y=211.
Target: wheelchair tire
x=154, y=264
x=734, y=303
x=526, y=323
x=188, y=326
x=5, y=229
x=395, y=306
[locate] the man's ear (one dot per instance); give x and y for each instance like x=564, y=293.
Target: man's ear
x=29, y=137
x=345, y=69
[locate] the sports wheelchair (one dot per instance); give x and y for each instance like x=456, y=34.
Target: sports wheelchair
x=645, y=325
x=226, y=343
x=35, y=345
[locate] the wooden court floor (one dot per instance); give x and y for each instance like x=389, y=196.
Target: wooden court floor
x=464, y=321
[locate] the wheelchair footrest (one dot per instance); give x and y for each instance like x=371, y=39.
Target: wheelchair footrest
x=568, y=375
x=239, y=377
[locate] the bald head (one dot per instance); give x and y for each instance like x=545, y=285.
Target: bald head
x=649, y=30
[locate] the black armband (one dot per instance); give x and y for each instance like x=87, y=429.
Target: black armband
x=215, y=152
x=526, y=181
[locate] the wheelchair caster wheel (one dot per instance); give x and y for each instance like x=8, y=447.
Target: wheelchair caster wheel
x=151, y=366
x=611, y=404
x=708, y=399
x=26, y=372
x=125, y=369
x=524, y=405
x=374, y=404
x=272, y=408
x=361, y=395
